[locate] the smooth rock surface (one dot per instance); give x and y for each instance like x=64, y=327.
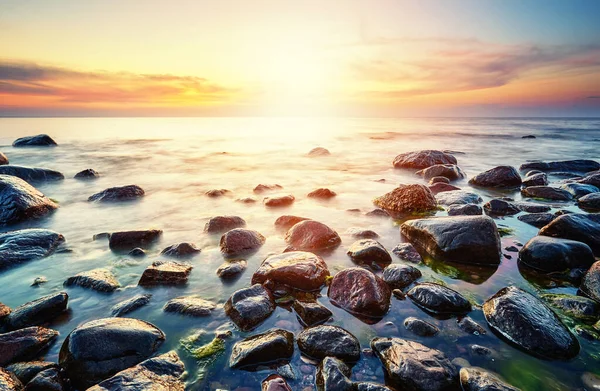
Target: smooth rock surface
x=128, y=240
x=407, y=199
x=369, y=252
x=450, y=171
x=31, y=175
x=279, y=201
x=286, y=222
x=580, y=165
x=180, y=250
x=423, y=159
x=321, y=341
x=27, y=245
x=88, y=173
x=130, y=305
x=222, y=224
x=333, y=375
x=464, y=210
x=478, y=379
x=37, y=312
x=165, y=273
x=231, y=269
x=121, y=193
x=578, y=190
x=310, y=235
x=322, y=193
x=407, y=252
x=556, y=255
x=19, y=201
x=590, y=202
x=439, y=299
x=26, y=370
x=190, y=306
x=40, y=140
x=399, y=276
x=576, y=226
x=273, y=346
x=498, y=177
x=590, y=284
x=297, y=269
x=457, y=197
x=240, y=241
x=547, y=193
x=311, y=313
x=249, y=307
x=537, y=220
x=420, y=327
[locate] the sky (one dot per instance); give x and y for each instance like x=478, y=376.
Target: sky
x=355, y=58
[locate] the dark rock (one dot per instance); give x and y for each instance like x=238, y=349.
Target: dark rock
x=165, y=273
x=540, y=179
x=423, y=159
x=547, y=193
x=438, y=179
x=478, y=379
x=482, y=351
x=231, y=269
x=275, y=383
x=278, y=201
x=222, y=224
x=130, y=305
x=360, y=233
x=297, y=269
x=37, y=312
x=590, y=202
x=273, y=346
x=128, y=240
x=101, y=280
x=578, y=190
x=137, y=252
x=286, y=222
x=101, y=348
x=47, y=380
x=441, y=187
x=398, y=294
x=122, y=193
x=457, y=197
x=259, y=189
x=40, y=140
x=370, y=253
x=407, y=252
x=25, y=371
x=181, y=250
x=463, y=239
x=21, y=202
x=9, y=382
x=498, y=177
x=450, y=171
x=377, y=212
x=366, y=386
x=590, y=285
x=215, y=193
x=37, y=282
x=361, y=293
x=464, y=210
x=578, y=307
x=321, y=341
x=249, y=307
x=556, y=255
x=322, y=193
x=468, y=325
x=407, y=199
x=310, y=235
x=528, y=136
x=533, y=172
x=532, y=208
x=318, y=151
x=439, y=299
x=566, y=165
x=27, y=245
x=400, y=276
x=497, y=207
x=412, y=366
x=333, y=375
x=31, y=175
x=190, y=305
x=420, y=327
x=593, y=180
x=87, y=174
x=538, y=220
x=526, y=322
x=240, y=241
x=576, y=226
x=24, y=344
x=3, y=159
x=591, y=381
x=311, y=313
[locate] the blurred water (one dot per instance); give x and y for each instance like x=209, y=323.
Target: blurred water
x=176, y=160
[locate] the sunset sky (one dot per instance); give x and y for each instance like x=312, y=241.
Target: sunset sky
x=376, y=58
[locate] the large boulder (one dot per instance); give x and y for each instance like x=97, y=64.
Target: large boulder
x=407, y=199
x=547, y=193
x=31, y=175
x=423, y=159
x=297, y=269
x=439, y=299
x=310, y=235
x=27, y=245
x=128, y=240
x=37, y=312
x=222, y=224
x=498, y=177
x=579, y=190
x=449, y=171
x=579, y=166
x=100, y=279
x=463, y=239
x=21, y=202
x=121, y=193
x=590, y=202
x=321, y=341
x=240, y=241
x=24, y=344
x=410, y=365
x=525, y=321
x=556, y=255
x=369, y=252
x=249, y=307
x=40, y=140
x=576, y=226
x=590, y=284
x=478, y=379
x=271, y=347
x=99, y=349
x=457, y=197
x=9, y=382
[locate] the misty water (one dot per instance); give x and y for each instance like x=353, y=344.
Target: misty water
x=177, y=160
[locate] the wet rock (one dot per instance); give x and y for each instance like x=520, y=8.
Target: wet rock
x=528, y=136
x=464, y=210
x=457, y=197
x=37, y=312
x=101, y=280
x=87, y=174
x=590, y=285
x=259, y=189
x=215, y=193
x=273, y=346
x=240, y=241
x=450, y=171
x=128, y=240
x=31, y=175
x=311, y=313
x=286, y=222
x=318, y=151
x=275, y=383
x=369, y=252
x=526, y=322
x=181, y=250
x=578, y=190
x=222, y=224
x=40, y=140
x=377, y=212
x=231, y=269
x=190, y=306
x=137, y=252
x=47, y=380
x=99, y=349
x=366, y=386
x=440, y=187
x=547, y=193
x=27, y=245
x=538, y=220
x=498, y=177
x=556, y=255
x=591, y=381
x=593, y=179
x=4, y=311
x=498, y=207
x=130, y=305
x=468, y=325
x=407, y=252
x=438, y=179
x=311, y=235
x=407, y=199
x=361, y=293
x=322, y=193
x=333, y=375
x=532, y=208
x=21, y=202
x=565, y=165
x=25, y=371
x=278, y=201
x=578, y=307
x=360, y=233
x=24, y=344
x=122, y=193
x=463, y=239
x=423, y=159
x=540, y=179
x=297, y=269
x=3, y=159
x=590, y=202
x=249, y=307
x=439, y=299
x=576, y=226
x=321, y=341
x=412, y=366
x=399, y=276
x=478, y=379
x=9, y=382
x=420, y=327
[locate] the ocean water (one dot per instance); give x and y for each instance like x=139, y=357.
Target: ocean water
x=176, y=160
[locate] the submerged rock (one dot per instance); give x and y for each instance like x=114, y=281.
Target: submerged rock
x=547, y=193
x=31, y=175
x=278, y=201
x=318, y=151
x=360, y=233
x=122, y=193
x=165, y=273
x=25, y=371
x=37, y=312
x=423, y=159
x=498, y=177
x=275, y=383
x=249, y=307
x=180, y=250
x=420, y=327
x=40, y=140
x=100, y=279
x=9, y=382
x=450, y=171
x=578, y=190
x=399, y=276
x=369, y=252
x=89, y=173
x=321, y=341
x=215, y=193
x=464, y=210
x=478, y=379
x=538, y=220
x=310, y=235
x=576, y=226
x=21, y=202
x=128, y=240
x=27, y=245
x=24, y=344
x=333, y=375
x=556, y=255
x=578, y=307
x=457, y=197
x=407, y=252
x=590, y=285
x=221, y=224
x=190, y=305
x=407, y=199
x=590, y=202
x=286, y=222
x=439, y=299
x=311, y=313
x=440, y=187
x=260, y=188
x=231, y=269
x=240, y=241
x=468, y=325
x=322, y=193
x=137, y=252
x=130, y=305
x=273, y=346
x=565, y=165
x=297, y=269
x=438, y=179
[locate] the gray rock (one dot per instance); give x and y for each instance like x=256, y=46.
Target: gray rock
x=249, y=307
x=275, y=383
x=24, y=344
x=31, y=175
x=130, y=305
x=549, y=254
x=439, y=299
x=359, y=233
x=47, y=380
x=457, y=197
x=577, y=307
x=369, y=252
x=333, y=375
x=468, y=325
x=565, y=165
x=121, y=193
x=20, y=201
x=273, y=346
x=540, y=179
x=181, y=250
x=497, y=177
x=420, y=327
x=547, y=193
x=311, y=313
x=231, y=269
x=40, y=140
x=399, y=276
x=423, y=159
x=590, y=202
x=321, y=341
x=450, y=171
x=464, y=210
x=100, y=279
x=578, y=190
x=498, y=207
x=27, y=245
x=190, y=305
x=89, y=173
x=478, y=379
x=438, y=179
x=538, y=220
x=37, y=312
x=407, y=252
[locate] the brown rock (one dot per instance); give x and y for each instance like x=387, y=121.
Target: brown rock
x=241, y=241
x=165, y=273
x=300, y=270
x=407, y=199
x=311, y=235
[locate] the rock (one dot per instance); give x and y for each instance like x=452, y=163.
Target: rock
x=24, y=344
x=407, y=199
x=3, y=159
x=231, y=269
x=259, y=189
x=101, y=280
x=578, y=307
x=438, y=179
x=310, y=235
x=275, y=383
x=165, y=273
x=377, y=212
x=240, y=241
x=333, y=375
x=222, y=224
x=297, y=269
x=590, y=285
x=322, y=193
x=526, y=322
x=137, y=252
x=47, y=380
x=468, y=325
x=361, y=293
x=412, y=366
x=528, y=136
x=122, y=193
x=318, y=151
x=399, y=276
x=540, y=179
x=4, y=311
x=407, y=252
x=273, y=346
x=538, y=220
x=249, y=307
x=440, y=187
x=478, y=379
x=128, y=240
x=215, y=193
x=130, y=305
x=359, y=233
x=25, y=371
x=99, y=349
x=462, y=239
x=31, y=175
x=578, y=190
x=39, y=281
x=181, y=250
x=311, y=313
x=547, y=193
x=369, y=252
x=464, y=210
x=420, y=327
x=556, y=255
x=497, y=177
x=278, y=201
x=190, y=305
x=246, y=200
x=593, y=180
x=566, y=165
x=498, y=207
x=531, y=207
x=9, y=382
x=576, y=226
x=87, y=174
x=21, y=202
x=590, y=202
x=321, y=341
x=439, y=299
x=450, y=171
x=27, y=245
x=40, y=140
x=37, y=312
x=366, y=386
x=457, y=197
x=286, y=222
x=423, y=159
